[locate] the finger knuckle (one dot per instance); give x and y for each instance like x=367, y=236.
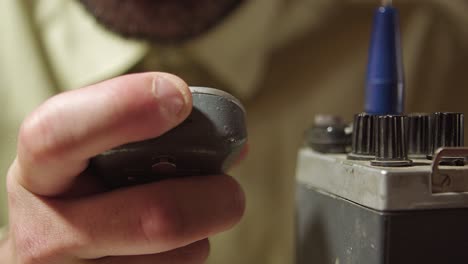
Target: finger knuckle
x=43, y=243
x=30, y=248
x=163, y=222
x=38, y=236
x=37, y=138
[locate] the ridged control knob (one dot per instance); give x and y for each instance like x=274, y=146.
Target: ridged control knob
x=391, y=148
x=362, y=146
x=419, y=135
x=448, y=130
x=328, y=135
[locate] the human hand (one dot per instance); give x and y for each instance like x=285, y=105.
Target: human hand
x=60, y=213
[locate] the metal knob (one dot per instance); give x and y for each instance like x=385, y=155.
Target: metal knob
x=419, y=135
x=328, y=135
x=362, y=147
x=448, y=129
x=391, y=148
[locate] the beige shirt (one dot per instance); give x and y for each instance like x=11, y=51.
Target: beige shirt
x=286, y=59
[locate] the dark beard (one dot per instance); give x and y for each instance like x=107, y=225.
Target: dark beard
x=160, y=20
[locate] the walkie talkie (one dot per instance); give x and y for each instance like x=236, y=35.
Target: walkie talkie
x=392, y=188
x=209, y=140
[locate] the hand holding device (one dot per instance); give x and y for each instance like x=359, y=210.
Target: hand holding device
x=206, y=143
x=58, y=212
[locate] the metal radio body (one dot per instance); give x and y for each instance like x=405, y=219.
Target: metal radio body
x=399, y=192
x=350, y=211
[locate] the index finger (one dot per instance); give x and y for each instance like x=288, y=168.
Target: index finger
x=56, y=141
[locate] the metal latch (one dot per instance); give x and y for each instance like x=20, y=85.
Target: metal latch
x=449, y=178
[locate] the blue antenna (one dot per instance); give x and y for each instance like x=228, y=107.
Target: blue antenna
x=385, y=81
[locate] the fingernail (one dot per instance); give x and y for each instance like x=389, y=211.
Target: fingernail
x=170, y=95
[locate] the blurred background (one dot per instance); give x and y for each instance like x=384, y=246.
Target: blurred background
x=287, y=60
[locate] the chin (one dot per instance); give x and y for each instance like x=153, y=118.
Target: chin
x=161, y=20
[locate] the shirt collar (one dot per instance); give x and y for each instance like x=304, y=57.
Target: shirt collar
x=237, y=51
x=81, y=51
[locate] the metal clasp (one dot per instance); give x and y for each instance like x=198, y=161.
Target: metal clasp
x=450, y=178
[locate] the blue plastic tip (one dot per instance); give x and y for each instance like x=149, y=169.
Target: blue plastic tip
x=385, y=84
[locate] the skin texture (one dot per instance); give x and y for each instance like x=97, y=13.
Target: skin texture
x=59, y=213
x=160, y=20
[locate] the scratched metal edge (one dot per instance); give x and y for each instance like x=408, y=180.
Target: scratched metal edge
x=385, y=189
